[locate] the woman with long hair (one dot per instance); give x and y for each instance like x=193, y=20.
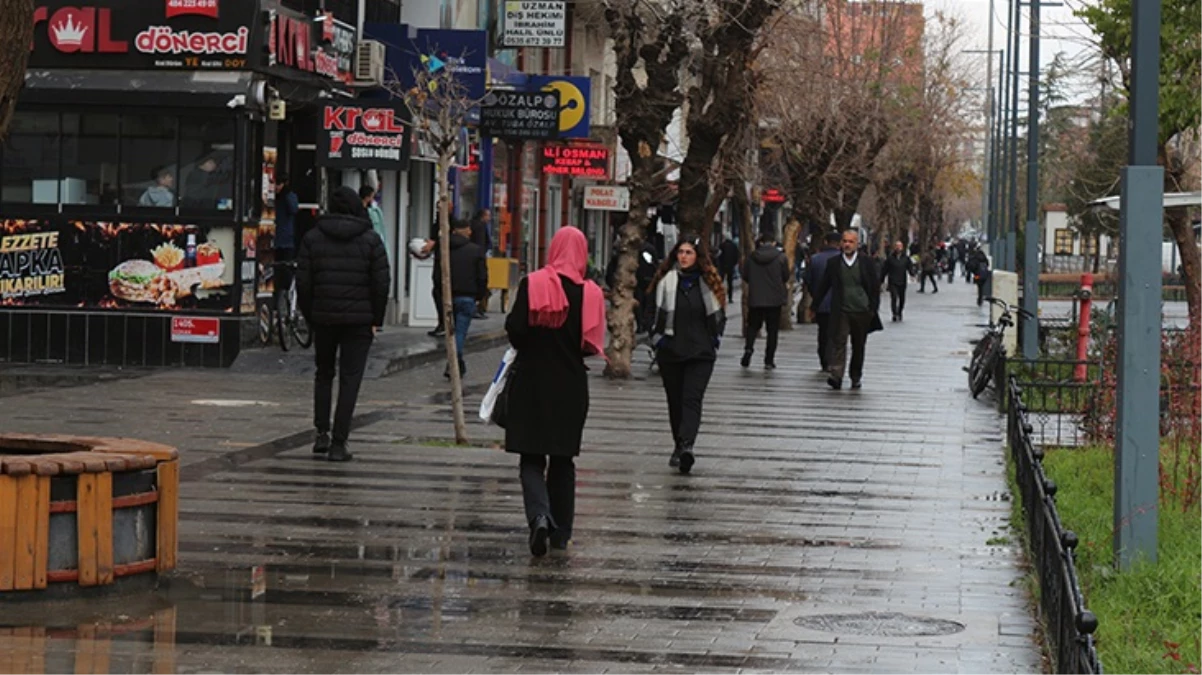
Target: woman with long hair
x=558, y=319
x=690, y=318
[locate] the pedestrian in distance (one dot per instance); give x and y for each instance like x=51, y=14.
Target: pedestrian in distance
x=469, y=274
x=342, y=282
x=728, y=257
x=482, y=237
x=557, y=319
x=689, y=320
x=895, y=272
x=928, y=268
x=368, y=194
x=822, y=314
x=978, y=264
x=766, y=274
x=854, y=285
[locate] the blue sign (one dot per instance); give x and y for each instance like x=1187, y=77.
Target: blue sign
x=462, y=52
x=575, y=101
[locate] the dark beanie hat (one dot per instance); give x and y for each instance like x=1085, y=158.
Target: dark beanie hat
x=345, y=201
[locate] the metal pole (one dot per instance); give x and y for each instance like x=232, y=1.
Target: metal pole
x=1011, y=238
x=999, y=249
x=1030, y=332
x=1137, y=456
x=986, y=202
x=998, y=153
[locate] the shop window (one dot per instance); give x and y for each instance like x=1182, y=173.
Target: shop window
x=90, y=151
x=31, y=159
x=149, y=161
x=1064, y=241
x=206, y=172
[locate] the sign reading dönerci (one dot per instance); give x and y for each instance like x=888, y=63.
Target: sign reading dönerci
x=373, y=136
x=529, y=115
x=534, y=23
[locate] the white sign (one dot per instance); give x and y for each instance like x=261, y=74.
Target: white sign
x=534, y=23
x=606, y=198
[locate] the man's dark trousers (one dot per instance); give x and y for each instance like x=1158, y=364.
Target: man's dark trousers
x=770, y=318
x=854, y=325
x=728, y=278
x=823, y=319
x=348, y=345
x=922, y=287
x=897, y=299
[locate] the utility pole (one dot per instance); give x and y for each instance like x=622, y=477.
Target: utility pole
x=999, y=248
x=1012, y=236
x=1031, y=238
x=1137, y=451
x=986, y=204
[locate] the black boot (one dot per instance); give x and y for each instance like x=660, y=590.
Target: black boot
x=674, y=461
x=339, y=453
x=322, y=443
x=746, y=360
x=540, y=530
x=686, y=458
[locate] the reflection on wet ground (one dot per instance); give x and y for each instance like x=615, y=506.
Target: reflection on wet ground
x=413, y=558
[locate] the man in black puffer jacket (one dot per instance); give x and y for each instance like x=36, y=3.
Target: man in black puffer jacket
x=342, y=281
x=766, y=273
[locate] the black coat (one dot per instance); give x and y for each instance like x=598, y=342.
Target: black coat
x=896, y=269
x=766, y=273
x=548, y=395
x=469, y=269
x=832, y=282
x=695, y=333
x=342, y=275
x=728, y=258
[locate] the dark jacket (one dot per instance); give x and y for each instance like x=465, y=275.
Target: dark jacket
x=870, y=280
x=813, y=277
x=286, y=208
x=766, y=273
x=928, y=262
x=469, y=270
x=548, y=393
x=728, y=258
x=896, y=269
x=342, y=273
x=696, y=333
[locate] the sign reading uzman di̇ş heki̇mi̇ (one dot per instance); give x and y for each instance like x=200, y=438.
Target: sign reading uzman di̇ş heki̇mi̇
x=31, y=264
x=534, y=23
x=362, y=137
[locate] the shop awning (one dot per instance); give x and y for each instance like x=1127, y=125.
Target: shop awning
x=134, y=87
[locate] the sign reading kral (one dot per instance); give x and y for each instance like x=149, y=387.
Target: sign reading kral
x=361, y=137
x=606, y=198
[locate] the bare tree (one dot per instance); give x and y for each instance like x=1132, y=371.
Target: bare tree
x=16, y=34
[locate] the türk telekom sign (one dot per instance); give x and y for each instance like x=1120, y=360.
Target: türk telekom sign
x=144, y=34
x=374, y=136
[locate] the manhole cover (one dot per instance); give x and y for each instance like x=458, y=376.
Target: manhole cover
x=882, y=624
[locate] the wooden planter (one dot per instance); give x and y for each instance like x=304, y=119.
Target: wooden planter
x=85, y=510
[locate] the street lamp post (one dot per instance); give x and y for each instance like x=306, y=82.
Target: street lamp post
x=1031, y=238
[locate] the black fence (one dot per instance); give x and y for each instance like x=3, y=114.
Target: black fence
x=1058, y=405
x=1069, y=626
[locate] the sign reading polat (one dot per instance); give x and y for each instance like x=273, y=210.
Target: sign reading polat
x=606, y=198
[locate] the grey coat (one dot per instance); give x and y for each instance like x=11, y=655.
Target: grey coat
x=766, y=272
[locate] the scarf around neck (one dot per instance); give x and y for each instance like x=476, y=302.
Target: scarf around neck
x=665, y=296
x=568, y=257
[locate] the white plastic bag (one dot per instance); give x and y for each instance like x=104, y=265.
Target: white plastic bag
x=498, y=384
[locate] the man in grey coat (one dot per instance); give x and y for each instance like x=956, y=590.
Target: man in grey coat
x=766, y=274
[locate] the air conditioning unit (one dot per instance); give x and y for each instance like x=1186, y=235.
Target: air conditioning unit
x=369, y=63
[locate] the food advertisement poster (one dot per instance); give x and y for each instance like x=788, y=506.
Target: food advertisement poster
x=264, y=244
x=115, y=265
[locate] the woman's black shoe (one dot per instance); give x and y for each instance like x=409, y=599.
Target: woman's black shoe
x=539, y=532
x=687, y=459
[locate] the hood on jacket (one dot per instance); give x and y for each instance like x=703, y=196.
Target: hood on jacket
x=340, y=226
x=459, y=241
x=766, y=254
x=346, y=202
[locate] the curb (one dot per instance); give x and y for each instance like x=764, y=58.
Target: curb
x=402, y=362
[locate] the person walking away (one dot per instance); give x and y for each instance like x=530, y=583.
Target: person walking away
x=953, y=257
x=854, y=285
x=342, y=289
x=928, y=272
x=981, y=274
x=766, y=273
x=469, y=273
x=557, y=319
x=482, y=237
x=822, y=303
x=689, y=320
x=895, y=273
x=728, y=255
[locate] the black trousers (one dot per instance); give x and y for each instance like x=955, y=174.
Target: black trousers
x=436, y=293
x=897, y=298
x=550, y=491
x=824, y=338
x=854, y=326
x=768, y=317
x=728, y=278
x=685, y=383
x=348, y=346
x=922, y=287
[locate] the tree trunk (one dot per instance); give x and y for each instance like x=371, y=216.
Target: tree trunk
x=622, y=336
x=789, y=239
x=1187, y=244
x=16, y=34
x=448, y=318
x=742, y=203
x=695, y=184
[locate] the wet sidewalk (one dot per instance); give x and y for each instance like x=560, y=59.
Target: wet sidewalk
x=851, y=531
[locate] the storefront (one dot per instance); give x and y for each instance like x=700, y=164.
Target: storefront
x=137, y=182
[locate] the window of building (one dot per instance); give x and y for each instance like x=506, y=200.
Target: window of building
x=206, y=172
x=1090, y=244
x=30, y=168
x=90, y=150
x=1064, y=241
x=149, y=161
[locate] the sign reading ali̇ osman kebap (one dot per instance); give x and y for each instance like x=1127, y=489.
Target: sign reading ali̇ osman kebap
x=520, y=115
x=579, y=161
x=534, y=23
x=362, y=137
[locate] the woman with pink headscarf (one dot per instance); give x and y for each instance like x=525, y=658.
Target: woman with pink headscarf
x=558, y=319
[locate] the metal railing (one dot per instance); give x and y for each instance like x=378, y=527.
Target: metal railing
x=1069, y=626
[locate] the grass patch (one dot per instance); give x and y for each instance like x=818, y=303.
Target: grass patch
x=1148, y=618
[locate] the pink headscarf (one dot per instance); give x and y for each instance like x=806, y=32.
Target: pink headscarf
x=548, y=303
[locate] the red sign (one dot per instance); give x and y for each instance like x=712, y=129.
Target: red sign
x=289, y=42
x=353, y=136
x=581, y=161
x=199, y=7
x=80, y=29
x=774, y=196
x=195, y=329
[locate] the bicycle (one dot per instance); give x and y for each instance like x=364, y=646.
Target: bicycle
x=289, y=322
x=990, y=348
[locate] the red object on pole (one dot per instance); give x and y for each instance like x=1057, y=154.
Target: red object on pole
x=1086, y=297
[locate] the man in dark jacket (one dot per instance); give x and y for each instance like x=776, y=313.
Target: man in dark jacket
x=469, y=275
x=930, y=265
x=896, y=272
x=766, y=275
x=482, y=237
x=822, y=303
x=728, y=261
x=855, y=287
x=342, y=284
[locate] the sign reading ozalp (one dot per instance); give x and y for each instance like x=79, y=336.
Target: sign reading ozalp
x=195, y=329
x=520, y=115
x=606, y=198
x=579, y=161
x=361, y=137
x=534, y=23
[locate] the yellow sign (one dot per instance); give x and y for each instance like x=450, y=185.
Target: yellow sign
x=571, y=104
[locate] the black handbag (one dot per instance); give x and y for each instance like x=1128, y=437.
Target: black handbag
x=500, y=409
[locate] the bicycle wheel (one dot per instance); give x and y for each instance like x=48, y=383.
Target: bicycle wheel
x=300, y=328
x=984, y=370
x=266, y=323
x=283, y=317
x=980, y=349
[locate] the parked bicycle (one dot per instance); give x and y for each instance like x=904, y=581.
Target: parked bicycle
x=990, y=349
x=282, y=317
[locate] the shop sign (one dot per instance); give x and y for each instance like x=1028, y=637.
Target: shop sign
x=534, y=23
x=362, y=137
x=324, y=47
x=339, y=39
x=575, y=101
x=578, y=161
x=606, y=198
x=520, y=115
x=143, y=34
x=195, y=329
x=61, y=263
x=774, y=196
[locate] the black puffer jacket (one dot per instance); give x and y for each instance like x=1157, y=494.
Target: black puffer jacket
x=766, y=272
x=469, y=268
x=342, y=275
